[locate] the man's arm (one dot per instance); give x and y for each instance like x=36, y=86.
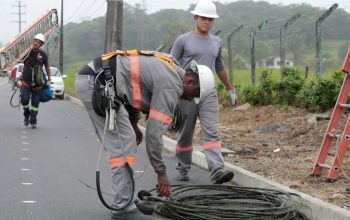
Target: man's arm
x=224, y=79
x=177, y=49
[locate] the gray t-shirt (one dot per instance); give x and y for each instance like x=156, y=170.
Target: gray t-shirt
x=204, y=50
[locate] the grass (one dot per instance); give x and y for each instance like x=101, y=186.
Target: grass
x=71, y=71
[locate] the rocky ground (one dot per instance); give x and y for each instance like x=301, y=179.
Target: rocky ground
x=281, y=144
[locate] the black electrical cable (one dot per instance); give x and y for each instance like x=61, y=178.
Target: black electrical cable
x=11, y=100
x=131, y=198
x=225, y=202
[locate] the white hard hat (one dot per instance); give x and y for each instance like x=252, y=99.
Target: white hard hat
x=205, y=8
x=206, y=80
x=40, y=37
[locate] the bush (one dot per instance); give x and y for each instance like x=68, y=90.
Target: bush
x=289, y=87
x=321, y=94
x=262, y=94
x=317, y=95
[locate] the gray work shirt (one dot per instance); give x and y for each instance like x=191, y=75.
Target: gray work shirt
x=204, y=50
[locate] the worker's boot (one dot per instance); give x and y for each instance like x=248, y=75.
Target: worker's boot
x=183, y=173
x=134, y=214
x=26, y=121
x=183, y=176
x=224, y=177
x=33, y=125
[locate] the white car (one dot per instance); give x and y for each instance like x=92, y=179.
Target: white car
x=57, y=84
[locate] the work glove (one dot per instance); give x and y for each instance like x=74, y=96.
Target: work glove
x=233, y=97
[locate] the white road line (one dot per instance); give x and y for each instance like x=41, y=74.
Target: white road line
x=28, y=201
x=25, y=149
x=24, y=158
x=24, y=137
x=25, y=143
x=28, y=184
x=25, y=169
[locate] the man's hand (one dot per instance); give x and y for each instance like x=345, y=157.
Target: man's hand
x=233, y=97
x=163, y=187
x=139, y=134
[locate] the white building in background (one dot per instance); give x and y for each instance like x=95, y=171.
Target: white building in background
x=274, y=62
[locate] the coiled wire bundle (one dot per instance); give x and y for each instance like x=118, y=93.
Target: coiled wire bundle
x=225, y=202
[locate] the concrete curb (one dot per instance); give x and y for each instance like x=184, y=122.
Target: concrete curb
x=313, y=208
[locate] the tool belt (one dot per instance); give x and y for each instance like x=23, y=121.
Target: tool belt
x=104, y=93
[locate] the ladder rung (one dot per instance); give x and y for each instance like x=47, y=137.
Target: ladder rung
x=333, y=135
x=347, y=106
x=324, y=165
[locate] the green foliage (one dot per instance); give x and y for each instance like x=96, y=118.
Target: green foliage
x=293, y=90
x=319, y=95
x=263, y=93
x=289, y=87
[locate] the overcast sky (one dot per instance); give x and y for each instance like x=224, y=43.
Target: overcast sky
x=78, y=10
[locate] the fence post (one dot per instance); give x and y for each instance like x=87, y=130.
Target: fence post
x=282, y=42
x=252, y=51
x=229, y=49
x=318, y=39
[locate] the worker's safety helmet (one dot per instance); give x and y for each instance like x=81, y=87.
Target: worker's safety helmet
x=205, y=8
x=206, y=80
x=40, y=37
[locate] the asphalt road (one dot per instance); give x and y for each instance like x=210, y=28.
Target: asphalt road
x=45, y=173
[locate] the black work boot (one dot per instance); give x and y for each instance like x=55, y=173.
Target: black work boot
x=33, y=125
x=224, y=177
x=134, y=214
x=26, y=121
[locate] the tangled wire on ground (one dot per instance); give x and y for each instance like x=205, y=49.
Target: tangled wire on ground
x=225, y=202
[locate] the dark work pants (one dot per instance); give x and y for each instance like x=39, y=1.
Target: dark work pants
x=30, y=111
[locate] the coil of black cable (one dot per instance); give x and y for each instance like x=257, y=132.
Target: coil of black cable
x=226, y=202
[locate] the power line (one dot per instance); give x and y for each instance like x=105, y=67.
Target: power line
x=19, y=13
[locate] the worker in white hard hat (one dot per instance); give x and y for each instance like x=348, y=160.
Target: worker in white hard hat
x=205, y=48
x=33, y=80
x=143, y=81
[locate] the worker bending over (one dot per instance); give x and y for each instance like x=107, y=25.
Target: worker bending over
x=144, y=81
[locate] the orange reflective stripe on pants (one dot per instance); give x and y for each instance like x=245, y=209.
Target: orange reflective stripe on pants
x=160, y=116
x=211, y=145
x=184, y=148
x=120, y=161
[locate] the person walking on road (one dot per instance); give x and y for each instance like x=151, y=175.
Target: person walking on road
x=33, y=80
x=144, y=81
x=205, y=48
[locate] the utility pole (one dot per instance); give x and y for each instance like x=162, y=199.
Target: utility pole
x=318, y=39
x=61, y=41
x=252, y=51
x=283, y=43
x=20, y=13
x=229, y=47
x=114, y=25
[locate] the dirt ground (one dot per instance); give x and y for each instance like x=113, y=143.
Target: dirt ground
x=281, y=144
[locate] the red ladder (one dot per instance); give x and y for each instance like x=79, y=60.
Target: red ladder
x=19, y=46
x=344, y=141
